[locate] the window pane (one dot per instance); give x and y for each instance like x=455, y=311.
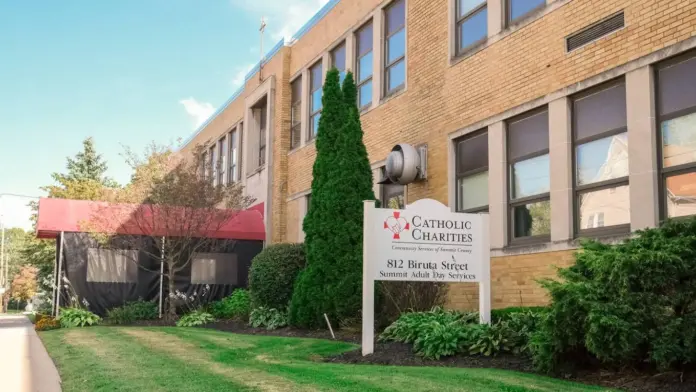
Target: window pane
x=465, y=6
x=600, y=112
x=297, y=90
x=316, y=76
x=530, y=177
x=602, y=159
x=316, y=100
x=393, y=196
x=365, y=94
x=365, y=67
x=679, y=141
x=295, y=114
x=677, y=87
x=338, y=57
x=396, y=75
x=613, y=204
x=519, y=8
x=473, y=191
x=473, y=29
x=364, y=41
x=681, y=195
x=532, y=219
x=472, y=153
x=396, y=46
x=315, y=124
x=396, y=16
x=528, y=135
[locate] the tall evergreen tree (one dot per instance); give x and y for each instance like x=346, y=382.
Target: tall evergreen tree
x=342, y=179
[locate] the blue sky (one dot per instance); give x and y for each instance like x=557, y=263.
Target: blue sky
x=125, y=72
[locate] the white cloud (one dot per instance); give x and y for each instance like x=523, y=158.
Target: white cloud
x=199, y=111
x=15, y=212
x=240, y=74
x=284, y=18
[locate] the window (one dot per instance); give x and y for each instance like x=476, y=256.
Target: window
x=296, y=113
x=395, y=47
x=316, y=76
x=472, y=172
x=529, y=178
x=471, y=24
x=205, y=168
x=676, y=110
x=392, y=195
x=338, y=60
x=214, y=268
x=212, y=155
x=233, y=158
x=364, y=65
x=112, y=266
x=222, y=164
x=600, y=147
x=518, y=9
x=263, y=125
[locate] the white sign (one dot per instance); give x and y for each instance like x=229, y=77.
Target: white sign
x=425, y=242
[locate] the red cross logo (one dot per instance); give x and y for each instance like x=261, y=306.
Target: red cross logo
x=396, y=224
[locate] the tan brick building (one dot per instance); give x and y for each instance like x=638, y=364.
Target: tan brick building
x=561, y=118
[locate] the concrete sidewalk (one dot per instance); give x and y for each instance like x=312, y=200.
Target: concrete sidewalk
x=24, y=363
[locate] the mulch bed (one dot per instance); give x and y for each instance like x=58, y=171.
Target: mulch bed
x=399, y=354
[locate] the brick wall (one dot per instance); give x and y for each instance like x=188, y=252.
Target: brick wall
x=513, y=281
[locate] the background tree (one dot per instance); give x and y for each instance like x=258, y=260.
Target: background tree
x=342, y=180
x=85, y=179
x=24, y=285
x=169, y=201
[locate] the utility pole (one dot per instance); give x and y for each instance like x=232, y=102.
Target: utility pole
x=262, y=29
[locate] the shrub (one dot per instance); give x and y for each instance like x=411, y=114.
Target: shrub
x=624, y=304
x=342, y=179
x=268, y=317
x=505, y=314
x=395, y=298
x=132, y=311
x=273, y=273
x=435, y=333
x=76, y=317
x=522, y=325
x=234, y=306
x=195, y=319
x=492, y=339
x=47, y=324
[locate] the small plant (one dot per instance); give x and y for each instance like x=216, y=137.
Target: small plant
x=76, y=317
x=492, y=339
x=47, y=324
x=195, y=319
x=269, y=318
x=132, y=311
x=409, y=326
x=235, y=306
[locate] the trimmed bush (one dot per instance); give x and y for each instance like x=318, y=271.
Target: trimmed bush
x=76, y=317
x=626, y=304
x=234, y=306
x=268, y=318
x=342, y=179
x=131, y=312
x=273, y=273
x=195, y=319
x=47, y=324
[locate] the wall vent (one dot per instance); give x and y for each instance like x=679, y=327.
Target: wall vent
x=595, y=31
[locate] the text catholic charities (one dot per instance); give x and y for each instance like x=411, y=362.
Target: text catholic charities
x=423, y=230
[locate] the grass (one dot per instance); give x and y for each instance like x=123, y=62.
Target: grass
x=191, y=359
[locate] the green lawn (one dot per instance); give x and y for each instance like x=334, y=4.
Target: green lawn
x=190, y=359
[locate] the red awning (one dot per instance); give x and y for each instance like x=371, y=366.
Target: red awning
x=78, y=216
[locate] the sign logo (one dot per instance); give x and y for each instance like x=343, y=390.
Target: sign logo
x=396, y=224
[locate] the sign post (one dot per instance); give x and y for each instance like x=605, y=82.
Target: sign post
x=425, y=242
